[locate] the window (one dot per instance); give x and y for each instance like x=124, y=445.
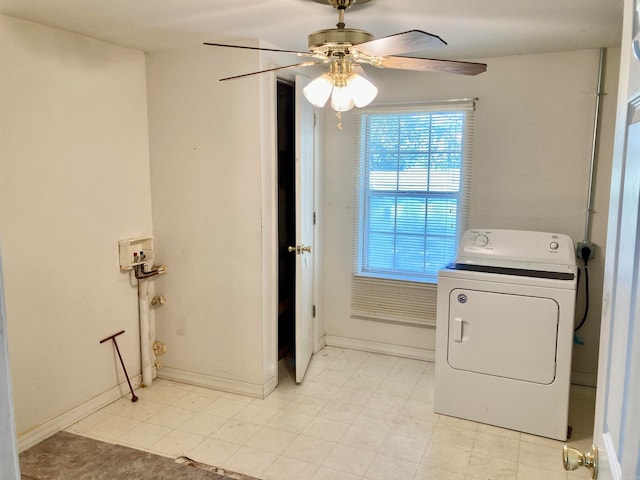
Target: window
x=413, y=190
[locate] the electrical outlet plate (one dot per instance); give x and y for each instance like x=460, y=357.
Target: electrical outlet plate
x=589, y=245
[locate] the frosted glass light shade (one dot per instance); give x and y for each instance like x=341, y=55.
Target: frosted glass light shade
x=362, y=90
x=318, y=91
x=341, y=99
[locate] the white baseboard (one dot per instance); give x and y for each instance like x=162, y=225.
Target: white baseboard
x=383, y=348
x=53, y=426
x=320, y=344
x=217, y=383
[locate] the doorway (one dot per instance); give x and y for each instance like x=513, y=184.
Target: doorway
x=286, y=217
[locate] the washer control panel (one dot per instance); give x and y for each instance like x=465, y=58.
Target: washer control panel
x=501, y=247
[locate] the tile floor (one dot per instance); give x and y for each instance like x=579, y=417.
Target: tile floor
x=357, y=415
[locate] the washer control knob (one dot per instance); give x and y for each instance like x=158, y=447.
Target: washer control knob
x=481, y=240
x=554, y=245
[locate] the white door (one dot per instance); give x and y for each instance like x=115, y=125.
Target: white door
x=617, y=421
x=304, y=230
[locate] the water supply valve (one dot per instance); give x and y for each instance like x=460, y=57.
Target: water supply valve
x=135, y=251
x=158, y=300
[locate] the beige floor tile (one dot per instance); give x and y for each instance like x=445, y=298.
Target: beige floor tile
x=225, y=407
x=171, y=417
x=410, y=364
x=114, y=427
x=490, y=468
x=236, y=431
x=498, y=431
x=202, y=424
x=527, y=472
x=405, y=448
x=177, y=443
x=143, y=436
x=141, y=410
x=317, y=390
x=250, y=461
x=414, y=426
x=213, y=451
x=390, y=468
x=309, y=449
x=363, y=416
x=290, y=421
x=324, y=473
x=87, y=423
x=423, y=393
x=404, y=375
x=453, y=436
x=340, y=411
x=447, y=421
x=333, y=377
x=349, y=459
x=256, y=414
x=364, y=438
x=284, y=468
x=194, y=400
x=537, y=455
x=396, y=389
x=306, y=405
x=496, y=446
x=329, y=430
x=446, y=457
x=271, y=440
x=382, y=360
x=351, y=395
x=377, y=419
x=386, y=402
x=425, y=472
x=276, y=399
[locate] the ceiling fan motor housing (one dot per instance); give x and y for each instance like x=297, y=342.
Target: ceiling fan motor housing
x=338, y=37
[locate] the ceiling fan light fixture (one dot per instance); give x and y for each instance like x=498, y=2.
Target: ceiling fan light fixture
x=362, y=90
x=319, y=90
x=342, y=99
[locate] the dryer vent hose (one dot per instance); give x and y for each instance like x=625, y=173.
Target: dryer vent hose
x=585, y=253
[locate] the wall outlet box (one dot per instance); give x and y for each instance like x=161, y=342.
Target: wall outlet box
x=135, y=251
x=589, y=245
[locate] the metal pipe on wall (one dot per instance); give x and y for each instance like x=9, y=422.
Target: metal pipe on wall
x=594, y=145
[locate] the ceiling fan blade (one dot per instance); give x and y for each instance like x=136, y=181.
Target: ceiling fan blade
x=405, y=42
x=300, y=54
x=303, y=64
x=433, y=65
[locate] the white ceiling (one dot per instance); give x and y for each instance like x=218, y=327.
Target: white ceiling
x=472, y=28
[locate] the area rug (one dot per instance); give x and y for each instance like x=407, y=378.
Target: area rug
x=66, y=456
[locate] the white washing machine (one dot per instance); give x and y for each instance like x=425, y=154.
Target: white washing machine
x=504, y=331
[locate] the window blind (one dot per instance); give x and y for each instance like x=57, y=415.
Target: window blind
x=412, y=196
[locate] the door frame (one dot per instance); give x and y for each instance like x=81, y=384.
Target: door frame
x=617, y=392
x=270, y=242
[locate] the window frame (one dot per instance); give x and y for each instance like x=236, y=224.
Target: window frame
x=462, y=195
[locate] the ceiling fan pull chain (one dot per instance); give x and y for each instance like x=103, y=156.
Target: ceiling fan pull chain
x=339, y=116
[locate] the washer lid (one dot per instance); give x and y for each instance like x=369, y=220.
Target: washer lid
x=517, y=249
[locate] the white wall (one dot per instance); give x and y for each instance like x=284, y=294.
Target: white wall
x=212, y=150
x=74, y=180
x=534, y=123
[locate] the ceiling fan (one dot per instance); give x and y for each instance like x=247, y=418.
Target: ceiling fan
x=344, y=49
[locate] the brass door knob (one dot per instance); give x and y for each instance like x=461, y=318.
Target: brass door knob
x=300, y=249
x=574, y=458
